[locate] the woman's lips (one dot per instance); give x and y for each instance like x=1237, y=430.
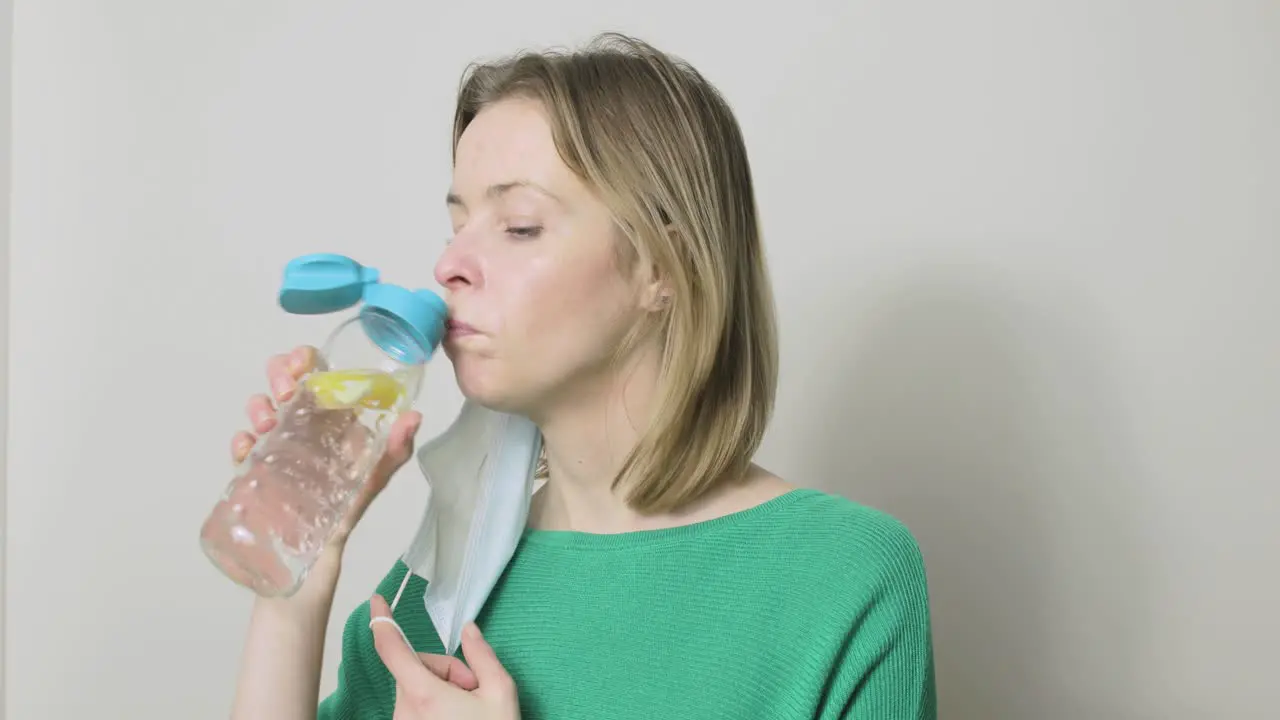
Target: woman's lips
x=456, y=329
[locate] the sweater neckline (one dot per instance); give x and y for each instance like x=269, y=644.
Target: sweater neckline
x=579, y=540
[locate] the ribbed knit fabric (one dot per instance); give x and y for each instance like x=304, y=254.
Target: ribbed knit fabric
x=807, y=606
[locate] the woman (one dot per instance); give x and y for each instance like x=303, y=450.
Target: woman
x=606, y=279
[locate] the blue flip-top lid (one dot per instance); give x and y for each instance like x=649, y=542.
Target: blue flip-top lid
x=324, y=283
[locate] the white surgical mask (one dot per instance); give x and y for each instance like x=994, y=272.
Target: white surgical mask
x=481, y=476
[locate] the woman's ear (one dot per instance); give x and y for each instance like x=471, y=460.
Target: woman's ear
x=657, y=293
x=659, y=299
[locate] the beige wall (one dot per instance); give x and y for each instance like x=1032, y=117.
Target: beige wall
x=1026, y=259
x=6, y=30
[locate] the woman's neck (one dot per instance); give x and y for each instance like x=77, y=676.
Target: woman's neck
x=587, y=439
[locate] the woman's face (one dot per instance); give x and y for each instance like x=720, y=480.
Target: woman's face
x=538, y=304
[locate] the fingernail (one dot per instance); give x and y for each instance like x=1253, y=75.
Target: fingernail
x=262, y=417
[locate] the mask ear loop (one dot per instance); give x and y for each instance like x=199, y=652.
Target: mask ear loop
x=394, y=624
x=403, y=583
x=389, y=619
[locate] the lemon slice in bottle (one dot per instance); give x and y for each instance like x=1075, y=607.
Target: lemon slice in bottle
x=346, y=389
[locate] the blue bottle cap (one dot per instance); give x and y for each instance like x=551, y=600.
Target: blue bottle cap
x=323, y=283
x=407, y=324
x=416, y=318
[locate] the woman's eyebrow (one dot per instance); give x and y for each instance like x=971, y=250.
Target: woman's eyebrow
x=497, y=190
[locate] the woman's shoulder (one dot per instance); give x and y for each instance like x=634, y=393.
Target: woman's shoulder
x=806, y=515
x=822, y=518
x=856, y=585
x=828, y=534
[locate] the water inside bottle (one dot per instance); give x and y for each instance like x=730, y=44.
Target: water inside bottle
x=302, y=477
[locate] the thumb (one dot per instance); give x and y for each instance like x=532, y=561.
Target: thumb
x=393, y=647
x=492, y=677
x=400, y=442
x=399, y=449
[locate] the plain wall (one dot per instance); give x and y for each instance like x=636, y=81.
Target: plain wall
x=6, y=66
x=1026, y=261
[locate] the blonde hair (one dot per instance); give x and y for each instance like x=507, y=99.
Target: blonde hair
x=663, y=150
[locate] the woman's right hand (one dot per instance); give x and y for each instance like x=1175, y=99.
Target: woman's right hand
x=283, y=372
x=280, y=671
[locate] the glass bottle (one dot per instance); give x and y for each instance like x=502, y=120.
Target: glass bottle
x=290, y=493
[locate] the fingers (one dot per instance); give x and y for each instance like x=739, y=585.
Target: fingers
x=262, y=417
x=280, y=377
x=426, y=680
x=399, y=450
x=492, y=677
x=394, y=649
x=400, y=440
x=261, y=413
x=241, y=444
x=450, y=669
x=303, y=359
x=283, y=372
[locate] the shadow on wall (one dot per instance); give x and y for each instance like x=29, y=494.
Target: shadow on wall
x=982, y=420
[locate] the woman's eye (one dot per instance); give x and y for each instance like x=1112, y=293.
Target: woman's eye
x=528, y=231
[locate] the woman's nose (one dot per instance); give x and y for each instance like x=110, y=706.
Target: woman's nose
x=457, y=267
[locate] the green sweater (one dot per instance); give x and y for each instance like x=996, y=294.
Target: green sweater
x=807, y=606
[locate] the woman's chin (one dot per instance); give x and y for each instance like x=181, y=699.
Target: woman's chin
x=480, y=389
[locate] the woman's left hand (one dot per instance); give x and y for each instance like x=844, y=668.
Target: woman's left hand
x=422, y=693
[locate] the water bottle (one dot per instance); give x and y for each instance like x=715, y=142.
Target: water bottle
x=289, y=494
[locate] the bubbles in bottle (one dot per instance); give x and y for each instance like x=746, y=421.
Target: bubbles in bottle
x=298, y=484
